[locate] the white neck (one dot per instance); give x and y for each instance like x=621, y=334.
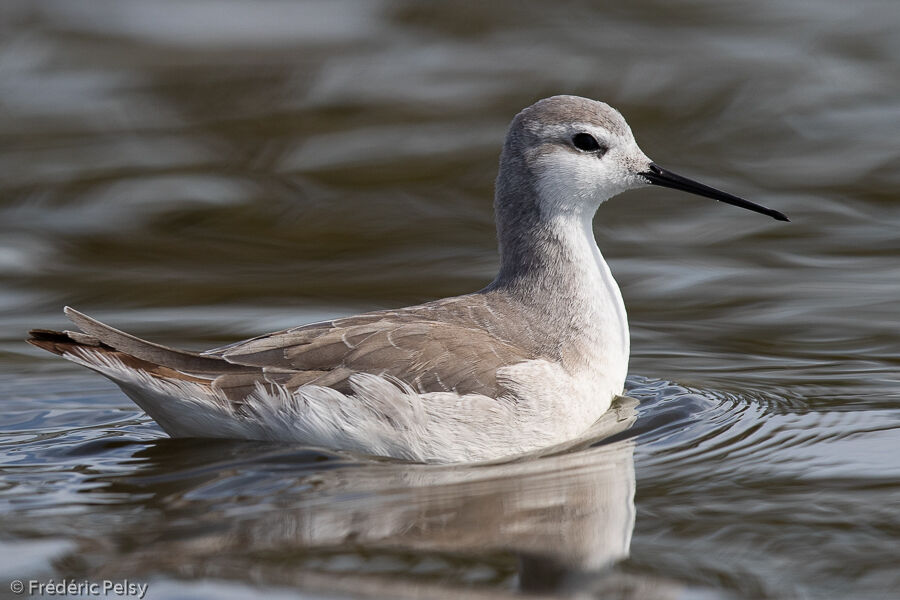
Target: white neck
x=550, y=263
x=594, y=297
x=556, y=268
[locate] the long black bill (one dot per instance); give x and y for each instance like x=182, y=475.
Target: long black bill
x=659, y=176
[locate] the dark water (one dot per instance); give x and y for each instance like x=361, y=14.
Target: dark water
x=203, y=171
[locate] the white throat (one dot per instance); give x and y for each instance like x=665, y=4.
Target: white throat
x=598, y=339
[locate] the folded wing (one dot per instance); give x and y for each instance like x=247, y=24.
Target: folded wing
x=413, y=346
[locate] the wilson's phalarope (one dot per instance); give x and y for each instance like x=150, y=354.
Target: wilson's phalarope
x=531, y=360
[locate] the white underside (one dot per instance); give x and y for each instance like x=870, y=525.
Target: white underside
x=383, y=416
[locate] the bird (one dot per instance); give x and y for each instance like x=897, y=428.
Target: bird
x=529, y=361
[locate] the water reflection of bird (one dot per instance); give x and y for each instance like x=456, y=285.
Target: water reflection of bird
x=566, y=513
x=531, y=360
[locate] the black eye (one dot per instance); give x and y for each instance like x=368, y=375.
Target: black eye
x=586, y=142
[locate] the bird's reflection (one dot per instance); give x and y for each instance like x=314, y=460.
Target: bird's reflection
x=566, y=513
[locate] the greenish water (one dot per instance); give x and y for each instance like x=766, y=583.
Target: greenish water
x=199, y=172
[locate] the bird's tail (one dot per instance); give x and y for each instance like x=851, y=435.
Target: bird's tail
x=177, y=388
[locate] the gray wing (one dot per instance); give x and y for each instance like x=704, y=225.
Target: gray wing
x=447, y=345
x=412, y=345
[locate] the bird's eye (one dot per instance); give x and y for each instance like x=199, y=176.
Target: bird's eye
x=586, y=143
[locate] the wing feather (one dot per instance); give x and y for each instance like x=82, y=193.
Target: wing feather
x=444, y=346
x=433, y=348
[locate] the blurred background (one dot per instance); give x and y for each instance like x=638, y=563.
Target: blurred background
x=200, y=171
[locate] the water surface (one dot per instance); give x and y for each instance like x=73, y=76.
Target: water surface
x=203, y=171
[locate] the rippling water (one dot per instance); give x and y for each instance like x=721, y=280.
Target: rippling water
x=204, y=171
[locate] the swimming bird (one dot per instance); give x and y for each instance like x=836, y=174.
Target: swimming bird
x=531, y=360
